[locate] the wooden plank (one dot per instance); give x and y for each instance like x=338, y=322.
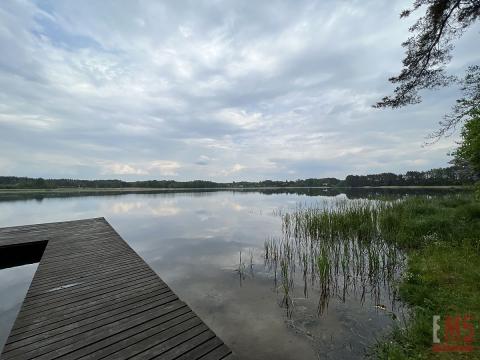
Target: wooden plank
x=220, y=352
x=93, y=297
x=85, y=315
x=68, y=311
x=86, y=323
x=83, y=310
x=202, y=349
x=190, y=341
x=123, y=340
x=162, y=346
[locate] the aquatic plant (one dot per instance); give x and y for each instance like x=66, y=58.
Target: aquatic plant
x=339, y=248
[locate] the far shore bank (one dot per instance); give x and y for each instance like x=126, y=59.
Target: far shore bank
x=138, y=190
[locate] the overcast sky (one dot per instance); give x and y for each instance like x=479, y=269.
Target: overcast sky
x=218, y=90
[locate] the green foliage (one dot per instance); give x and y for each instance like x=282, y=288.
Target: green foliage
x=454, y=175
x=441, y=236
x=418, y=221
x=469, y=149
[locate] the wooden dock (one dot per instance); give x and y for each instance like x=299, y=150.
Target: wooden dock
x=93, y=297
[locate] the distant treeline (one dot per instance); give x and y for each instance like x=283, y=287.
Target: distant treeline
x=443, y=176
x=440, y=177
x=13, y=182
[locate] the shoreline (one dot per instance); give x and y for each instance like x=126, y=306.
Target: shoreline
x=140, y=190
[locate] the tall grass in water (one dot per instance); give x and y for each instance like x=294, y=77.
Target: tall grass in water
x=336, y=247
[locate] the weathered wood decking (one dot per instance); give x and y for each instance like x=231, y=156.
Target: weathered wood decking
x=93, y=297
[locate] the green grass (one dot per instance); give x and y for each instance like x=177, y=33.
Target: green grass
x=441, y=237
x=347, y=239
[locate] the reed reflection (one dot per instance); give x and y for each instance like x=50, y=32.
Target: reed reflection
x=336, y=250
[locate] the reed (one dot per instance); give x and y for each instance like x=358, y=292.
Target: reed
x=421, y=250
x=338, y=248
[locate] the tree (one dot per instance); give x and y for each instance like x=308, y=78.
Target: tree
x=465, y=107
x=428, y=50
x=469, y=149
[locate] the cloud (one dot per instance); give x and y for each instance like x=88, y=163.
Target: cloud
x=122, y=169
x=164, y=167
x=240, y=118
x=156, y=167
x=142, y=90
x=203, y=160
x=234, y=169
x=140, y=208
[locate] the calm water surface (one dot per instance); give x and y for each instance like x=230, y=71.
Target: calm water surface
x=193, y=240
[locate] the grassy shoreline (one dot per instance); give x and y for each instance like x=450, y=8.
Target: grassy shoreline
x=441, y=237
x=365, y=243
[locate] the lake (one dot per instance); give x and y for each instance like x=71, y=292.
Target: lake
x=209, y=246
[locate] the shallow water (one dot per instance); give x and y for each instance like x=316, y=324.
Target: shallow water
x=193, y=240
